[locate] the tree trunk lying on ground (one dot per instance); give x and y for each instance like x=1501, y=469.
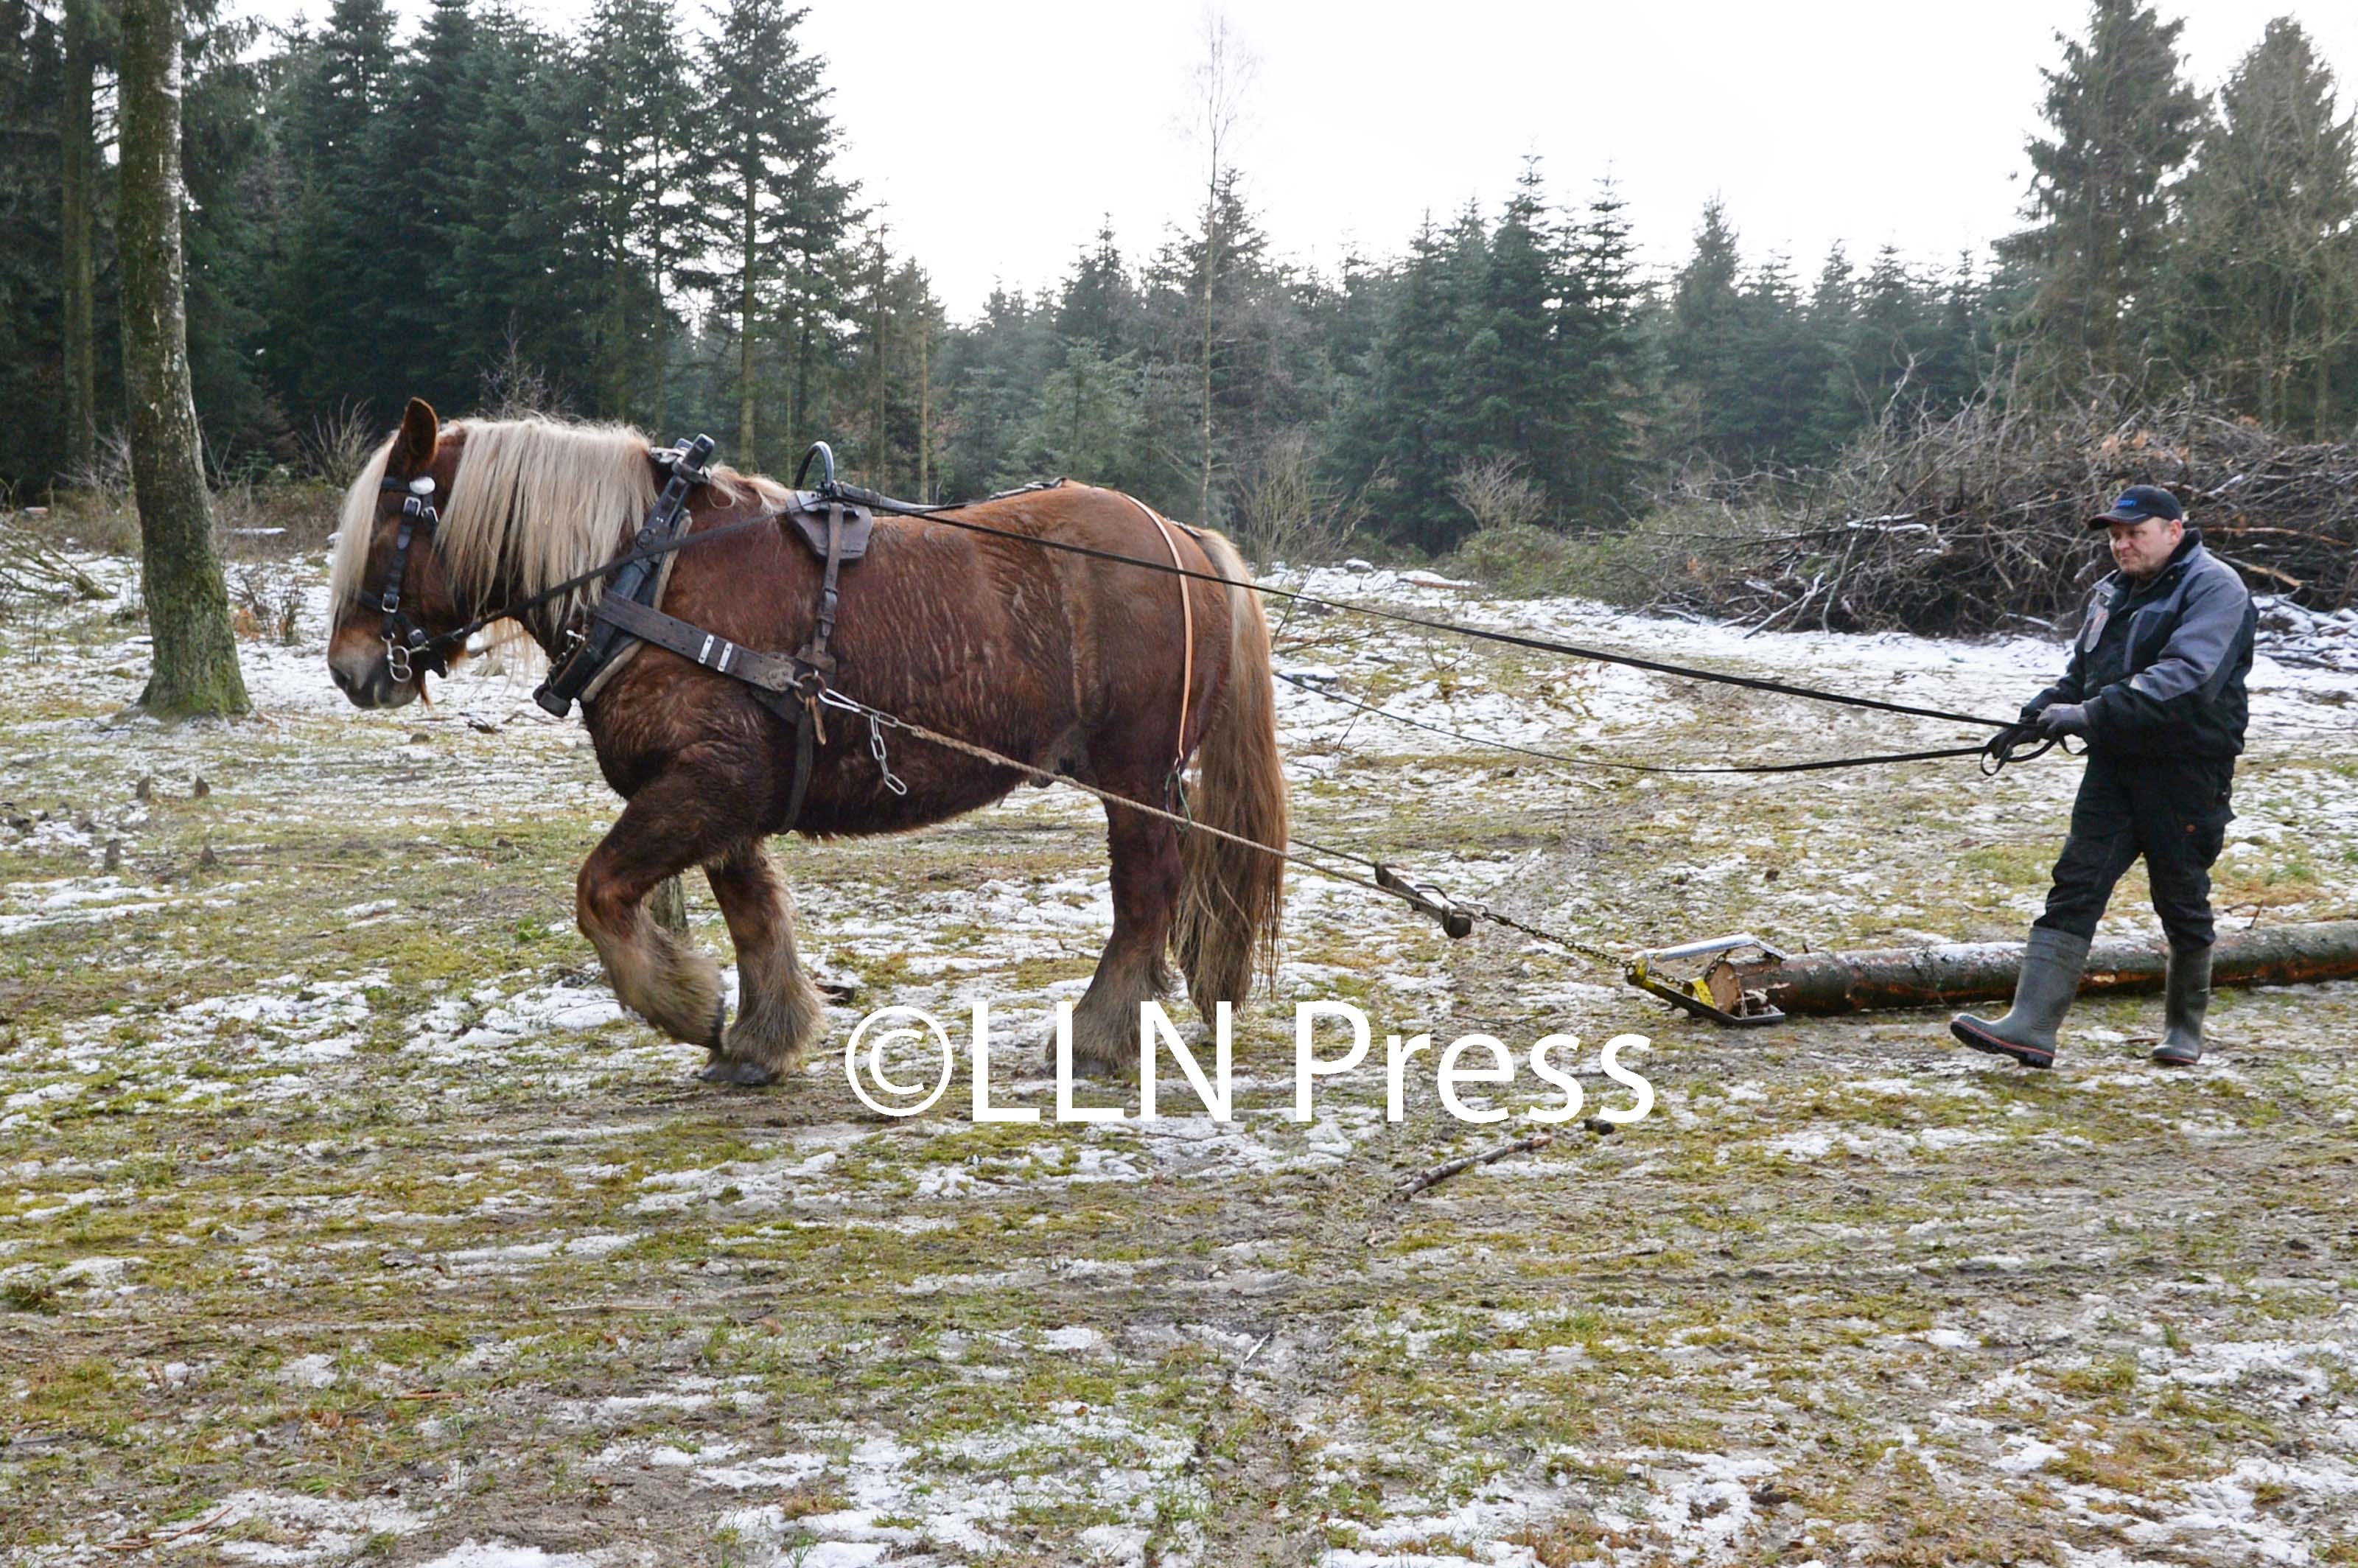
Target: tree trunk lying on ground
x=1985, y=971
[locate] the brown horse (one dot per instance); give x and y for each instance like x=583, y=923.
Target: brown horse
x=1057, y=660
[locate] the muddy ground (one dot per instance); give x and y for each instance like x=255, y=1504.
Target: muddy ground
x=343, y=1217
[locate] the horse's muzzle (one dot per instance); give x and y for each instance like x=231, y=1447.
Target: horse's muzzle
x=373, y=686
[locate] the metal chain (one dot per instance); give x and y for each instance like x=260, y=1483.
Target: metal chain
x=830, y=698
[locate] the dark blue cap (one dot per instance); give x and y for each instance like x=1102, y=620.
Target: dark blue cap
x=2138, y=503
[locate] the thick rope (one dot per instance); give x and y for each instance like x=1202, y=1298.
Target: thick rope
x=1000, y=759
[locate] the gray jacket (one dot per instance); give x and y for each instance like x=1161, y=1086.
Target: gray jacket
x=2160, y=665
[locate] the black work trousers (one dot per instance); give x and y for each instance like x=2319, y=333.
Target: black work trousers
x=2174, y=812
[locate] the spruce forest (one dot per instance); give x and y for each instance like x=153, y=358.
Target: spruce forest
x=496, y=215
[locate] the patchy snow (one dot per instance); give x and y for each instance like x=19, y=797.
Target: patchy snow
x=499, y=1554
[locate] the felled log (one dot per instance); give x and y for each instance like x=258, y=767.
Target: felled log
x=1985, y=971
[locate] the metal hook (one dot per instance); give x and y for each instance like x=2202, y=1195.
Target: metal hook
x=825, y=454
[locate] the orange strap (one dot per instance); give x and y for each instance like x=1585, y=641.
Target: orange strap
x=1187, y=621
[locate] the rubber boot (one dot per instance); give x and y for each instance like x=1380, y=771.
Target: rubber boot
x=2185, y=1001
x=2052, y=962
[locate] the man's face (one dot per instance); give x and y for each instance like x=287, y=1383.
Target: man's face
x=2142, y=549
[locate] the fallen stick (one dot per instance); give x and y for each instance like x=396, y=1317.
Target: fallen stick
x=1435, y=1174
x=149, y=1541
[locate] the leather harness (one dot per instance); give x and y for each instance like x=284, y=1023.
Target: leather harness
x=789, y=686
x=834, y=521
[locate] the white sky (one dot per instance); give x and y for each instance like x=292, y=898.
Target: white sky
x=991, y=135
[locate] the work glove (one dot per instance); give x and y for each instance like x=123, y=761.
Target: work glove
x=2061, y=718
x=2028, y=716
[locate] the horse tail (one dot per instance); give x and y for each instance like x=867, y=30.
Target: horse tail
x=1232, y=898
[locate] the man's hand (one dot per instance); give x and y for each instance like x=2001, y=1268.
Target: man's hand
x=2038, y=705
x=2000, y=749
x=2061, y=718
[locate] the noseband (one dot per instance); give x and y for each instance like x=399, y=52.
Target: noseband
x=409, y=647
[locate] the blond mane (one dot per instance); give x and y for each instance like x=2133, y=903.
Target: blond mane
x=534, y=501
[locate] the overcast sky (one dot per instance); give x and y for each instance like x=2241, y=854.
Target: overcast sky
x=993, y=135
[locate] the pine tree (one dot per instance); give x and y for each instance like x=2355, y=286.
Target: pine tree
x=1831, y=321
x=1099, y=305
x=227, y=237
x=2124, y=119
x=1090, y=421
x=993, y=371
x=634, y=106
x=1404, y=441
x=1763, y=414
x=195, y=660
x=1702, y=341
x=1510, y=391
x=772, y=209
x=2262, y=292
x=323, y=347
x=31, y=54
x=1607, y=410
x=523, y=249
x=421, y=173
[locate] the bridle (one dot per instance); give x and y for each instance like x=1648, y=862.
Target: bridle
x=409, y=647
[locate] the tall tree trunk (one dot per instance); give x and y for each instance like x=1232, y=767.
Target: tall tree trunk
x=750, y=238
x=80, y=160
x=925, y=406
x=1211, y=267
x=195, y=668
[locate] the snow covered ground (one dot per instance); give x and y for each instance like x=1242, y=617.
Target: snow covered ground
x=344, y=1216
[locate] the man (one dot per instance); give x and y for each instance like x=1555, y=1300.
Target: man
x=2156, y=685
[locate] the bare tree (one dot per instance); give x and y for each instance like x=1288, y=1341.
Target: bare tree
x=1497, y=494
x=194, y=670
x=1222, y=77
x=1287, y=513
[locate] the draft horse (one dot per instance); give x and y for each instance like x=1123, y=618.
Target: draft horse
x=1065, y=662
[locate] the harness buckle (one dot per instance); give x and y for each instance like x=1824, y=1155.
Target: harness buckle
x=396, y=659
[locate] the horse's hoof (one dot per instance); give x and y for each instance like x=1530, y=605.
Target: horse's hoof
x=746, y=1075
x=1090, y=1067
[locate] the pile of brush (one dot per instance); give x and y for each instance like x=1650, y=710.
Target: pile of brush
x=1975, y=523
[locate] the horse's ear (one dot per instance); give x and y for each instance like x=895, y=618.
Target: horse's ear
x=413, y=449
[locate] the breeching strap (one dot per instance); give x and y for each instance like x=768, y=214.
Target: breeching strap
x=1187, y=633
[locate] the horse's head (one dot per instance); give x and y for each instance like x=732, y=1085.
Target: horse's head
x=392, y=580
